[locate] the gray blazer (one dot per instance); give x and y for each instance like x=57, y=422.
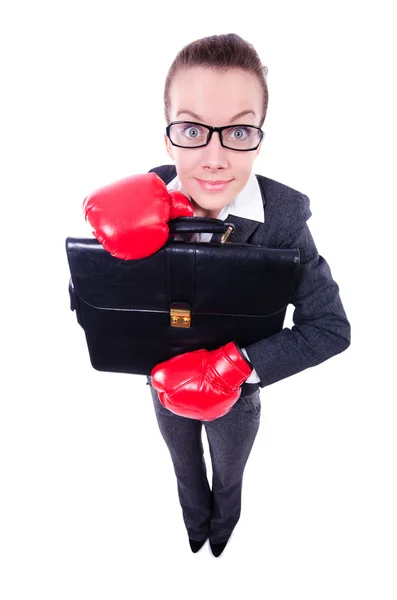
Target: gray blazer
x=321, y=328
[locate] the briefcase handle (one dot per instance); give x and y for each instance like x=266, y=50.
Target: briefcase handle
x=201, y=225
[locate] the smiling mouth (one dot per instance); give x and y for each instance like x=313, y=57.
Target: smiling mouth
x=213, y=185
x=215, y=182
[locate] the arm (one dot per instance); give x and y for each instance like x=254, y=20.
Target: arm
x=320, y=329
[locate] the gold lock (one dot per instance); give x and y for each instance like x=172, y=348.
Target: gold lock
x=180, y=314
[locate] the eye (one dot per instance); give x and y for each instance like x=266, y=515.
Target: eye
x=241, y=133
x=193, y=132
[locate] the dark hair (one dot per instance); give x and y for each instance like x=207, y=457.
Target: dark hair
x=222, y=52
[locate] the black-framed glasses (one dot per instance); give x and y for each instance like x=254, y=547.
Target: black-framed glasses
x=189, y=134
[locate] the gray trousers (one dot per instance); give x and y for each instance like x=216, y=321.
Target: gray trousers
x=211, y=513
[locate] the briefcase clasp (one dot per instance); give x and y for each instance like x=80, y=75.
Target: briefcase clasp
x=226, y=235
x=180, y=314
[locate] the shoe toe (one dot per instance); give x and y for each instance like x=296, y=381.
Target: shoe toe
x=217, y=549
x=195, y=546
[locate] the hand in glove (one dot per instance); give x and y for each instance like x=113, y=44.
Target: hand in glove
x=130, y=216
x=203, y=384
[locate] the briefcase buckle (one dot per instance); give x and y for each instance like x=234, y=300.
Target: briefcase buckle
x=180, y=314
x=226, y=235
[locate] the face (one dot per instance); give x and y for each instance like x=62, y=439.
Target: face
x=211, y=97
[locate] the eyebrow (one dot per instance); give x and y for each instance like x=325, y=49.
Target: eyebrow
x=195, y=116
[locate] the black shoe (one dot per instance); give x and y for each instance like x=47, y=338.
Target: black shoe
x=195, y=546
x=217, y=549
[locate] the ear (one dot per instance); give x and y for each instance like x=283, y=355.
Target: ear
x=169, y=147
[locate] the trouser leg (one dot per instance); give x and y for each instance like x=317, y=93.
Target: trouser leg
x=230, y=440
x=183, y=439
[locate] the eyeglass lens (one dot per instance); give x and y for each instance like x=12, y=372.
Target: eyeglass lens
x=238, y=137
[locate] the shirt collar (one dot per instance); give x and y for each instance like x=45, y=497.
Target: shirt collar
x=247, y=204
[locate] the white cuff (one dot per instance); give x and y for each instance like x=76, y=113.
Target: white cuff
x=253, y=378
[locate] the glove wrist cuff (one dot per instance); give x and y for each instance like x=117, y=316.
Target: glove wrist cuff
x=232, y=366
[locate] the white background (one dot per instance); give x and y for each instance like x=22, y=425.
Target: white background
x=88, y=504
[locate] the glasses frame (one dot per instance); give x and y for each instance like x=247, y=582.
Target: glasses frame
x=211, y=132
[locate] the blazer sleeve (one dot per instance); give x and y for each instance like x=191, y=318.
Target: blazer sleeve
x=321, y=329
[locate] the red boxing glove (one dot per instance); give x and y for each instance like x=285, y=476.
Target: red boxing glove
x=129, y=217
x=203, y=384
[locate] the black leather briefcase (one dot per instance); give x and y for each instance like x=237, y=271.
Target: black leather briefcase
x=186, y=296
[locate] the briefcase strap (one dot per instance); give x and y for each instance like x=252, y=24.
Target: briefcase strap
x=201, y=225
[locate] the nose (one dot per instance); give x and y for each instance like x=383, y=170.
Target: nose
x=214, y=152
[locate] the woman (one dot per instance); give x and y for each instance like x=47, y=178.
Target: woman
x=215, y=102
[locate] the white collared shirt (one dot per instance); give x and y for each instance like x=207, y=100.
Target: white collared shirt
x=248, y=204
